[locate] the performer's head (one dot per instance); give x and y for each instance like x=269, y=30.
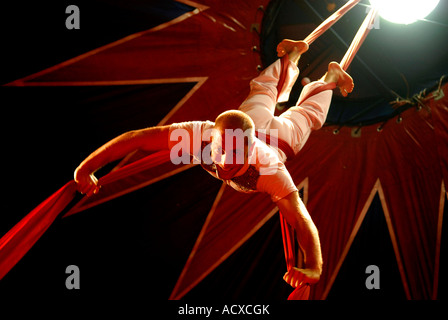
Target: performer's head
x=232, y=140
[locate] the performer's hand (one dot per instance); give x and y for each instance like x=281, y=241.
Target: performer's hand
x=296, y=277
x=87, y=183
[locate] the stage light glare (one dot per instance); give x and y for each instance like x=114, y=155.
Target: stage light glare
x=404, y=11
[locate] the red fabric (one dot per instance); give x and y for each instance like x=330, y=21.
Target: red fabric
x=359, y=38
x=301, y=292
x=21, y=238
x=406, y=161
x=136, y=167
x=17, y=241
x=288, y=243
x=343, y=172
x=324, y=26
x=283, y=73
x=405, y=164
x=410, y=191
x=438, y=106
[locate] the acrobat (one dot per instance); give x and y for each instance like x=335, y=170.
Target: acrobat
x=247, y=163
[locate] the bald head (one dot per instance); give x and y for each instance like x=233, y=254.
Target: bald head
x=232, y=140
x=234, y=119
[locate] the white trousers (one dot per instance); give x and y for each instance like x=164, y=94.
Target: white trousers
x=294, y=125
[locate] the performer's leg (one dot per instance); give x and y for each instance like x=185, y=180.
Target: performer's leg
x=261, y=102
x=295, y=125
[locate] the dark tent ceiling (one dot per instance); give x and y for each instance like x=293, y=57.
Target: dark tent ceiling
x=395, y=61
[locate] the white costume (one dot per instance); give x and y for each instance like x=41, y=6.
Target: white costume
x=267, y=172
x=294, y=125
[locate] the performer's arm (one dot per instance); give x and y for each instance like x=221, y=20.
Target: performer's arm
x=149, y=139
x=296, y=214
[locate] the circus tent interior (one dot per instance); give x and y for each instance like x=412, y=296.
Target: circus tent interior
x=373, y=178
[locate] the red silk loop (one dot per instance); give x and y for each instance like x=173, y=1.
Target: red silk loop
x=302, y=292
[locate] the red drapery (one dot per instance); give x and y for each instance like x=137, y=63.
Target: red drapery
x=376, y=162
x=405, y=164
x=324, y=26
x=20, y=239
x=302, y=292
x=16, y=242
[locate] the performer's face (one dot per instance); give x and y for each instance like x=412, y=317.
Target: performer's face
x=229, y=152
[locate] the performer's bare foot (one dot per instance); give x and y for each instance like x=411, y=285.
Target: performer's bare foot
x=294, y=49
x=342, y=79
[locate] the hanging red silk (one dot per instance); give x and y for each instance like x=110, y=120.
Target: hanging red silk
x=16, y=243
x=324, y=26
x=302, y=291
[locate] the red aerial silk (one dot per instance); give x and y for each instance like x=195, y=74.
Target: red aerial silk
x=324, y=26
x=302, y=292
x=359, y=38
x=351, y=51
x=16, y=242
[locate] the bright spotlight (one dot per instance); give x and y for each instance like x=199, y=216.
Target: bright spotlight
x=404, y=11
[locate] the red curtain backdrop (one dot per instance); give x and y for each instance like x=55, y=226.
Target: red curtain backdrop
x=405, y=163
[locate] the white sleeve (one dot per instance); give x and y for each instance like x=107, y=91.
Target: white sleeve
x=277, y=185
x=186, y=138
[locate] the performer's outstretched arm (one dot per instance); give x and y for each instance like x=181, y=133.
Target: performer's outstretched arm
x=296, y=214
x=149, y=139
